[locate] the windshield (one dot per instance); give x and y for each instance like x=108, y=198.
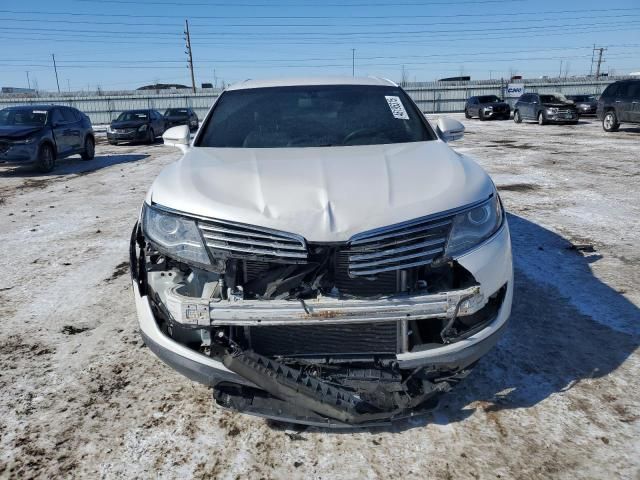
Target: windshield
x=313, y=116
x=556, y=98
x=132, y=116
x=582, y=98
x=176, y=112
x=489, y=99
x=23, y=116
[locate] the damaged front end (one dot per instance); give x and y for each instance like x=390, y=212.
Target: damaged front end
x=348, y=333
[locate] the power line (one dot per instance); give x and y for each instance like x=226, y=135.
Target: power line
x=464, y=32
x=322, y=17
x=278, y=4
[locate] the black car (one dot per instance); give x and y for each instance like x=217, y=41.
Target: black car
x=181, y=116
x=545, y=108
x=619, y=103
x=136, y=126
x=487, y=106
x=41, y=134
x=586, y=104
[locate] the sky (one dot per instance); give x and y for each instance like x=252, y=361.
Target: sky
x=124, y=44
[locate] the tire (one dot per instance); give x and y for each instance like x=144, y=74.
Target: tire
x=466, y=113
x=610, y=121
x=152, y=137
x=89, y=149
x=46, y=158
x=516, y=117
x=541, y=119
x=113, y=142
x=481, y=116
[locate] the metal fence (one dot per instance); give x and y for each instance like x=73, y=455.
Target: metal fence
x=431, y=97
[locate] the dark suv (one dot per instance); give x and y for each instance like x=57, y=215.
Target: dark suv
x=619, y=103
x=181, y=116
x=487, y=106
x=41, y=134
x=545, y=108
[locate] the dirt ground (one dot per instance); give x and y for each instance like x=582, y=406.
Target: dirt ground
x=559, y=397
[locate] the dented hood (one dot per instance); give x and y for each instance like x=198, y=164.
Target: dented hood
x=325, y=194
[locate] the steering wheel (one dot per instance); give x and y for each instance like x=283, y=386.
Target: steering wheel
x=361, y=132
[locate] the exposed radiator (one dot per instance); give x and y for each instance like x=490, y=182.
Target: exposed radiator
x=321, y=340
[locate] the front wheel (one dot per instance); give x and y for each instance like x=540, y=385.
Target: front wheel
x=46, y=158
x=152, y=137
x=516, y=117
x=481, y=116
x=89, y=149
x=610, y=121
x=541, y=119
x=466, y=113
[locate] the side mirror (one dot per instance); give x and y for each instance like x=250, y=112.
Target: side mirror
x=450, y=129
x=178, y=137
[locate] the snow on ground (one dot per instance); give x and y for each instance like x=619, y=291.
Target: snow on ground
x=557, y=398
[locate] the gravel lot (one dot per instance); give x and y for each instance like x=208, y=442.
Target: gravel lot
x=559, y=397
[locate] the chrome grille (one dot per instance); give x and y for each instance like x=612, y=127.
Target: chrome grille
x=397, y=247
x=251, y=242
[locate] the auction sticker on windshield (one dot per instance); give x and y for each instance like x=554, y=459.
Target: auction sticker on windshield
x=397, y=108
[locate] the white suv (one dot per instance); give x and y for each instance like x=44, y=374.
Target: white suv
x=320, y=254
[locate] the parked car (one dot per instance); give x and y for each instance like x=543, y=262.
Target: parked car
x=619, y=103
x=321, y=255
x=181, y=116
x=545, y=108
x=41, y=134
x=586, y=104
x=487, y=106
x=136, y=126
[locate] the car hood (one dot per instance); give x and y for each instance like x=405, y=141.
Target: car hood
x=559, y=105
x=326, y=194
x=129, y=124
x=18, y=131
x=494, y=104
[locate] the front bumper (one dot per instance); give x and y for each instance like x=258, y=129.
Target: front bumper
x=134, y=136
x=562, y=118
x=490, y=264
x=18, y=153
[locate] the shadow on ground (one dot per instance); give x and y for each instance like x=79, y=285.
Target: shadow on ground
x=72, y=165
x=549, y=346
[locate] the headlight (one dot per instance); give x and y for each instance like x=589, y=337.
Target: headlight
x=24, y=141
x=474, y=226
x=109, y=129
x=177, y=236
x=488, y=109
x=552, y=110
x=142, y=128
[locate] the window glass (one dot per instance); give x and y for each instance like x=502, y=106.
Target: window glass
x=68, y=115
x=634, y=90
x=56, y=116
x=314, y=116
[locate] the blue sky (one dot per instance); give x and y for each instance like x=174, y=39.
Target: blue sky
x=122, y=44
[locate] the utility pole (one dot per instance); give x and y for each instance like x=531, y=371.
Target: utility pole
x=68, y=86
x=560, y=76
x=353, y=62
x=188, y=38
x=56, y=70
x=28, y=81
x=600, y=52
x=593, y=52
